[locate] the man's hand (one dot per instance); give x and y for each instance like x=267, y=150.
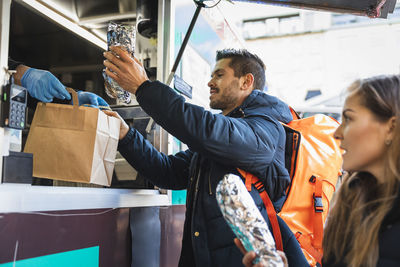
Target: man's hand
x=128, y=72
x=250, y=256
x=91, y=100
x=124, y=128
x=42, y=84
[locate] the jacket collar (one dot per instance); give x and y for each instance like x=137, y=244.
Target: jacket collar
x=394, y=214
x=258, y=104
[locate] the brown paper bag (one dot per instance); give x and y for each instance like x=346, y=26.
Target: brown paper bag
x=73, y=143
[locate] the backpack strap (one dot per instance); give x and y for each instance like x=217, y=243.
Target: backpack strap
x=318, y=210
x=314, y=247
x=295, y=115
x=276, y=231
x=306, y=244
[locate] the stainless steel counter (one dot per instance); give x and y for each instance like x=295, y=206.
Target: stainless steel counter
x=27, y=198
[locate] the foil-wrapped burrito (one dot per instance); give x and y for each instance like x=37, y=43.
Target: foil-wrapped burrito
x=123, y=36
x=246, y=221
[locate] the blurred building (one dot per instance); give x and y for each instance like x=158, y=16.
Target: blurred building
x=316, y=55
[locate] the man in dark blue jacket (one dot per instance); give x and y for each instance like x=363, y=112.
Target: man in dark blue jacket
x=246, y=135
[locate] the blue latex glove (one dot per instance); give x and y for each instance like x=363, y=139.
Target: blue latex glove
x=91, y=100
x=43, y=85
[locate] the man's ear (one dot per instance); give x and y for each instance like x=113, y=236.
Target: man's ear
x=247, y=82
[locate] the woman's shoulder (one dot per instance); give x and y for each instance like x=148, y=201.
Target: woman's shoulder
x=389, y=240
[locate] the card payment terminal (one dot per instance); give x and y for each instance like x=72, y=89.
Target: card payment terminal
x=13, y=106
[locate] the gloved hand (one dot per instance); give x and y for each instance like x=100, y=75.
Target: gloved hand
x=43, y=85
x=91, y=100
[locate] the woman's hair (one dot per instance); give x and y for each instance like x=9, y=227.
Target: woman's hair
x=361, y=204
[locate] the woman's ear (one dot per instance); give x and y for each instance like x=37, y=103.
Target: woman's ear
x=391, y=125
x=247, y=82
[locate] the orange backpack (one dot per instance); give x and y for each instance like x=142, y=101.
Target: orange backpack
x=313, y=159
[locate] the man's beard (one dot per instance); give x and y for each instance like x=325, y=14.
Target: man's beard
x=227, y=99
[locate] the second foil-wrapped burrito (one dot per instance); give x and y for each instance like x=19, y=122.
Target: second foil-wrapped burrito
x=123, y=36
x=246, y=221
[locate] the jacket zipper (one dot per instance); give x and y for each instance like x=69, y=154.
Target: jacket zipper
x=196, y=189
x=209, y=180
x=192, y=177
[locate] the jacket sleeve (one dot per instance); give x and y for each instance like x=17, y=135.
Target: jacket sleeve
x=291, y=246
x=168, y=172
x=223, y=139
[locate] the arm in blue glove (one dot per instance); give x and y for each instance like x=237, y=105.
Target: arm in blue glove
x=40, y=84
x=91, y=100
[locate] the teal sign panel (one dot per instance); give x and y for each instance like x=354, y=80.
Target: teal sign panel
x=178, y=198
x=87, y=257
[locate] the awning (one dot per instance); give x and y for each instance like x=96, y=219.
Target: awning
x=370, y=8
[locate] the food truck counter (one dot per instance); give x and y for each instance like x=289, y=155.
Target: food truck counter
x=27, y=198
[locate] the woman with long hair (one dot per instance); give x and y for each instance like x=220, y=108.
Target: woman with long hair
x=363, y=225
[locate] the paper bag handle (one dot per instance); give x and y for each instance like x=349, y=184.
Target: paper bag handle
x=74, y=96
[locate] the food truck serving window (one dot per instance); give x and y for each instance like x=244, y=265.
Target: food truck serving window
x=39, y=41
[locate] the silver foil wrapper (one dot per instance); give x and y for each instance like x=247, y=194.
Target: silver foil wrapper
x=123, y=36
x=246, y=221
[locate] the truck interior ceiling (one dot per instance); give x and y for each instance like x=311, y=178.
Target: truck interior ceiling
x=39, y=42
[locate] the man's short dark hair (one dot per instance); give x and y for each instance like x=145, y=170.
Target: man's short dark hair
x=244, y=62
